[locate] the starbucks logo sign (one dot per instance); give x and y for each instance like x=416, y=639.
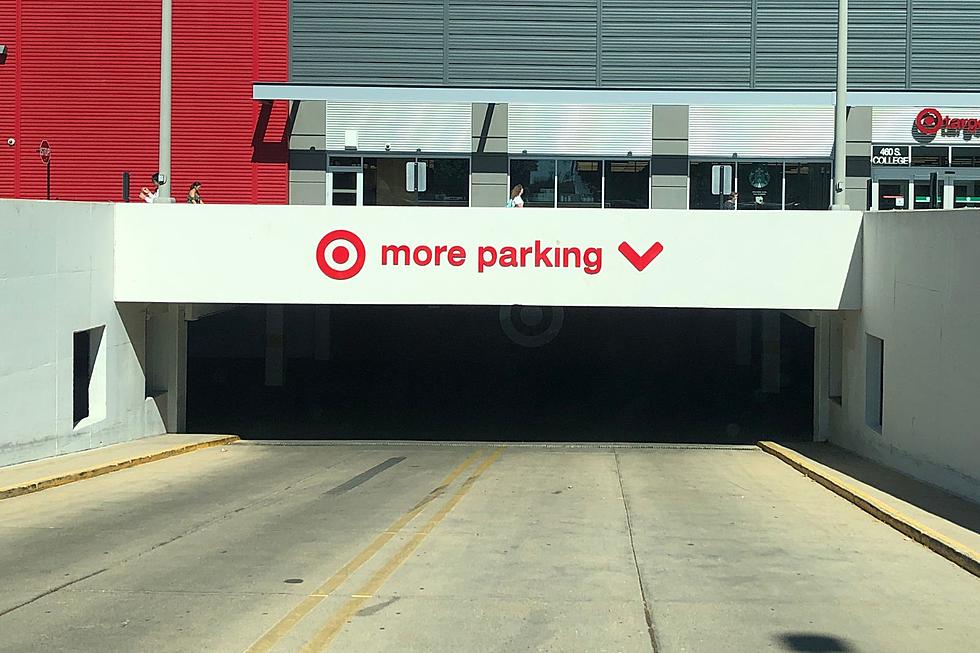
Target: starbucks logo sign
x=759, y=177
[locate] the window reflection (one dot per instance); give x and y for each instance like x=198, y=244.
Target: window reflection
x=579, y=184
x=627, y=184
x=537, y=176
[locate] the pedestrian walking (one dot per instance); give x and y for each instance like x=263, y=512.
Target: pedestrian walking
x=194, y=194
x=516, y=200
x=731, y=202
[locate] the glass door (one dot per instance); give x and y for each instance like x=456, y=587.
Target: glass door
x=345, y=181
x=892, y=194
x=922, y=194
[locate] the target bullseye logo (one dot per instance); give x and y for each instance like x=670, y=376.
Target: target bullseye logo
x=340, y=254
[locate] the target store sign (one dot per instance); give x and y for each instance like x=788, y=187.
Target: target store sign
x=491, y=256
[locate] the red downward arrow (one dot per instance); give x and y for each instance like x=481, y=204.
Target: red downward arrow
x=640, y=262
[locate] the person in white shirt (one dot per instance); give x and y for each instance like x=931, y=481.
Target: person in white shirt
x=516, y=200
x=150, y=196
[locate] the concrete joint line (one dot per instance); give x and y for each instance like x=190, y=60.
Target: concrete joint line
x=108, y=468
x=956, y=552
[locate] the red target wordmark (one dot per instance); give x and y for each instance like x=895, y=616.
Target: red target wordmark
x=340, y=254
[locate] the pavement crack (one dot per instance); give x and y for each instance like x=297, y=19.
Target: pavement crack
x=52, y=591
x=647, y=613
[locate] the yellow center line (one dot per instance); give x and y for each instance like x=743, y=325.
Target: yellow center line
x=322, y=639
x=288, y=622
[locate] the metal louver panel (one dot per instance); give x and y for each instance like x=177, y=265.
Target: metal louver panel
x=512, y=42
x=673, y=44
x=895, y=125
x=761, y=132
x=581, y=129
x=796, y=44
x=945, y=47
x=877, y=43
x=407, y=127
x=366, y=41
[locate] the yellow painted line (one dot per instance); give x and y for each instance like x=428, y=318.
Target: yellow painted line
x=323, y=637
x=108, y=468
x=293, y=617
x=956, y=552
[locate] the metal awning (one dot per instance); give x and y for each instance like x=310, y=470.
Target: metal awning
x=425, y=94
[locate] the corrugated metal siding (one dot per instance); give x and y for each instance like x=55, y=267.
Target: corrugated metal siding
x=877, y=43
x=945, y=45
x=796, y=43
x=515, y=42
x=8, y=100
x=88, y=86
x=761, y=132
x=671, y=44
x=579, y=130
x=367, y=41
x=433, y=127
x=214, y=118
x=894, y=125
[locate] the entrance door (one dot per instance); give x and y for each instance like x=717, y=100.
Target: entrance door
x=345, y=181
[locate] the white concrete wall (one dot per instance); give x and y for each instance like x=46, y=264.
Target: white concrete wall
x=56, y=277
x=922, y=297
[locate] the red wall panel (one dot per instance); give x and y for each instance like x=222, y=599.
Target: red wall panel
x=84, y=74
x=220, y=48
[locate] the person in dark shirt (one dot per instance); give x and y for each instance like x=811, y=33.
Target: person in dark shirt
x=194, y=194
x=731, y=202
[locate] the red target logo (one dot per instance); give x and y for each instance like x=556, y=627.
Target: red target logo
x=340, y=254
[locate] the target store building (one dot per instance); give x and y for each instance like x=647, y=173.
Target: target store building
x=355, y=273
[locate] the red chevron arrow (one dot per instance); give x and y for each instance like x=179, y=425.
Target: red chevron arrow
x=640, y=262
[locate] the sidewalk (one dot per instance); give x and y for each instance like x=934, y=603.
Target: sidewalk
x=945, y=523
x=51, y=472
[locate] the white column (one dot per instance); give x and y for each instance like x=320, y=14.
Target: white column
x=275, y=349
x=770, y=352
x=321, y=333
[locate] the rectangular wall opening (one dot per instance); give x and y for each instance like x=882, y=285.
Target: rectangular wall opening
x=88, y=376
x=874, y=382
x=835, y=366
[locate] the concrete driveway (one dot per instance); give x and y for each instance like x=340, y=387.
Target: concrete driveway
x=460, y=548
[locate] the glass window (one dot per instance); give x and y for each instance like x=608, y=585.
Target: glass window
x=934, y=157
x=580, y=184
x=808, y=186
x=891, y=194
x=922, y=195
x=345, y=162
x=966, y=157
x=966, y=194
x=447, y=182
x=627, y=185
x=384, y=183
x=700, y=181
x=537, y=176
x=760, y=186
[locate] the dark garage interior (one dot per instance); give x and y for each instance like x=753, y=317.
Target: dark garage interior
x=498, y=374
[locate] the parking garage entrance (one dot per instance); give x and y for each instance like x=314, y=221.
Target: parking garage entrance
x=501, y=374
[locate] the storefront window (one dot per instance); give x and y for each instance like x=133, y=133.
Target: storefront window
x=922, y=197
x=760, y=186
x=966, y=157
x=627, y=185
x=537, y=176
x=891, y=194
x=580, y=184
x=966, y=194
x=448, y=182
x=933, y=157
x=808, y=186
x=700, y=181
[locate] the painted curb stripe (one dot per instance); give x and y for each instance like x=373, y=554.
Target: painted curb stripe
x=108, y=468
x=956, y=552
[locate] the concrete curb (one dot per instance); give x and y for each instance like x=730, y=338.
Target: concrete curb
x=108, y=468
x=955, y=552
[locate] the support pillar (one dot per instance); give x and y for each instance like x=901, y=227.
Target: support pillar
x=821, y=377
x=770, y=352
x=275, y=349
